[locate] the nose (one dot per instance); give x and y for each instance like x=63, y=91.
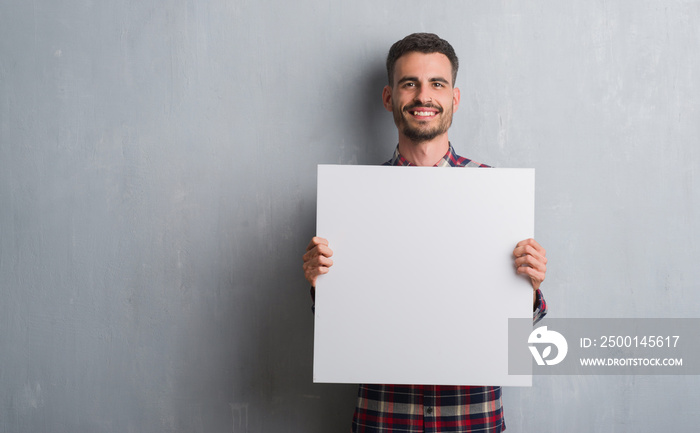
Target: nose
x=423, y=96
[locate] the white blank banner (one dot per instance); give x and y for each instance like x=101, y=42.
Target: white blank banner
x=423, y=281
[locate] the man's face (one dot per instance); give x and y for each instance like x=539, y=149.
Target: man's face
x=422, y=97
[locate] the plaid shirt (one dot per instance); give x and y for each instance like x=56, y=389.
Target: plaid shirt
x=451, y=159
x=433, y=408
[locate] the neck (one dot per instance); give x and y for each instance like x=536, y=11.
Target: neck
x=424, y=153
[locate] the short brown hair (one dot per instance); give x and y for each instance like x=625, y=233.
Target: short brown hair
x=423, y=43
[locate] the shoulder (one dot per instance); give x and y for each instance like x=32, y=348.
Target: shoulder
x=460, y=161
x=455, y=160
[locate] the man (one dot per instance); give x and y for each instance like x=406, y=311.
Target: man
x=422, y=69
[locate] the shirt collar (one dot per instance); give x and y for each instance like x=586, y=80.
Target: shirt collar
x=446, y=161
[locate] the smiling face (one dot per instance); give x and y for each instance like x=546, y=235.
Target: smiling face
x=422, y=97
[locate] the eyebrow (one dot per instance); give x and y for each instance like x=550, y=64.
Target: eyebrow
x=431, y=80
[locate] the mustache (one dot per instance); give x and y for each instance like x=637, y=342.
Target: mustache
x=428, y=105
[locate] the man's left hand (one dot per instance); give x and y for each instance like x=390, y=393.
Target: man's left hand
x=531, y=260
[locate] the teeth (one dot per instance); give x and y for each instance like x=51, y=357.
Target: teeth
x=423, y=113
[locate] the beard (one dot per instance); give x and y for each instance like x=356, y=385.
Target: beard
x=420, y=133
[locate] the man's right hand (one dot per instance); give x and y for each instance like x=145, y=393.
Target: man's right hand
x=317, y=259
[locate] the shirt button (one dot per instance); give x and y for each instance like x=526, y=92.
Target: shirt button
x=429, y=410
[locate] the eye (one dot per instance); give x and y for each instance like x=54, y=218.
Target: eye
x=438, y=85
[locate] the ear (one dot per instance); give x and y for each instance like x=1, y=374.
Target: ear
x=386, y=98
x=455, y=99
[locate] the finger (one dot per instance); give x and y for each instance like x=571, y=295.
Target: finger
x=317, y=262
x=315, y=241
x=324, y=250
x=321, y=261
x=533, y=243
x=529, y=249
x=530, y=245
x=319, y=250
x=531, y=261
x=525, y=250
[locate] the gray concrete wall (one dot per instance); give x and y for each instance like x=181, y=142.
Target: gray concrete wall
x=157, y=187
